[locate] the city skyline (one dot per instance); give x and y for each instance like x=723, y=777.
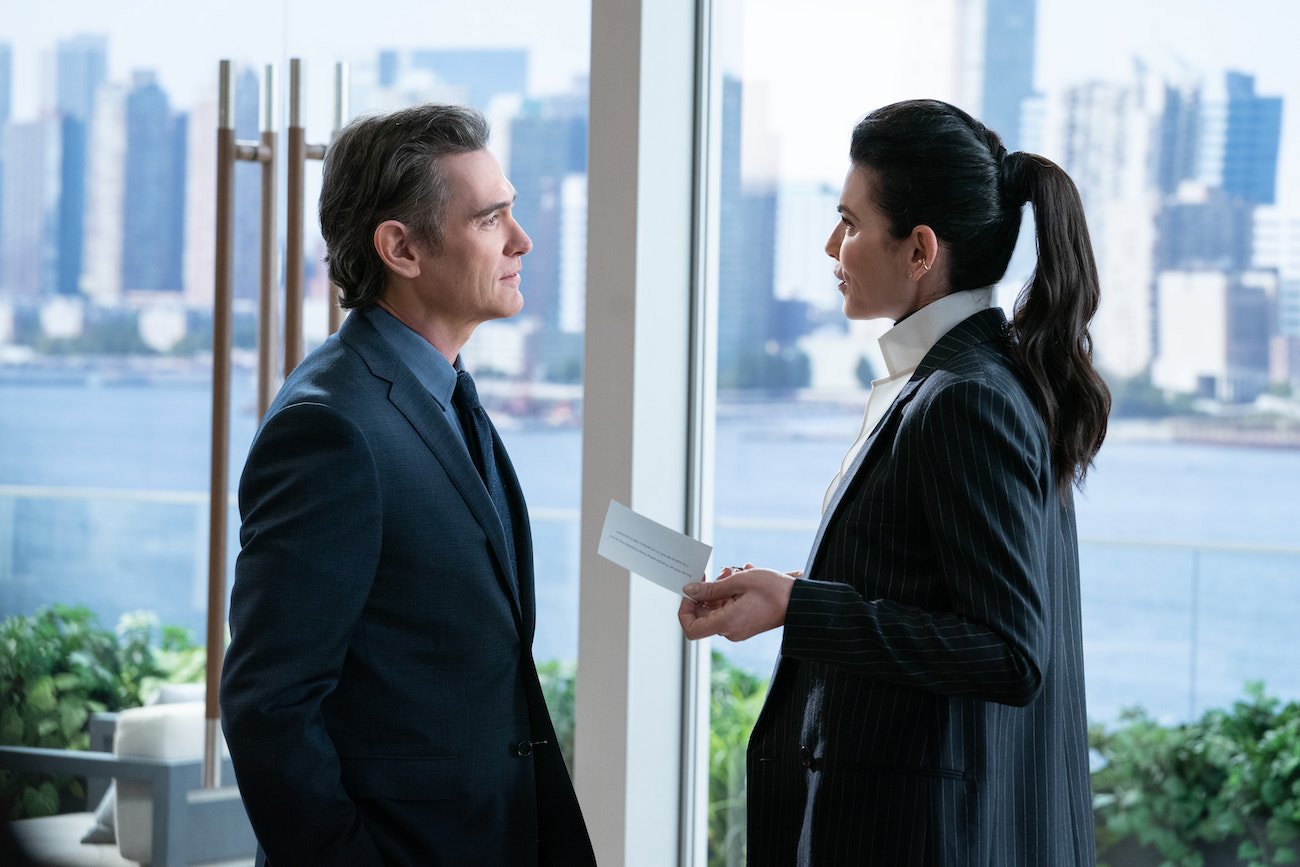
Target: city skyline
x=805, y=88
x=541, y=137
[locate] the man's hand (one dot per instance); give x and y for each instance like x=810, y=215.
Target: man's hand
x=739, y=605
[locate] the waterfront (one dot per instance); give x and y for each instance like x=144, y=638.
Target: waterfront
x=1191, y=553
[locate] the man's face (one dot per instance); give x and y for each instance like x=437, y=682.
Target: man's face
x=475, y=277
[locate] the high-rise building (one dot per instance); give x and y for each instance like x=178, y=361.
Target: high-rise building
x=1104, y=134
x=1277, y=247
x=80, y=69
x=389, y=64
x=805, y=216
x=153, y=208
x=746, y=236
x=573, y=254
x=1201, y=228
x=29, y=245
x=548, y=145
x=1214, y=331
x=1180, y=123
x=1009, y=30
x=101, y=271
x=200, y=202
x=1240, y=137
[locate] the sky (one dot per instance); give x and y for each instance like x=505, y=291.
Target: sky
x=819, y=65
x=824, y=64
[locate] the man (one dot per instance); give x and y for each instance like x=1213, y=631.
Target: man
x=380, y=698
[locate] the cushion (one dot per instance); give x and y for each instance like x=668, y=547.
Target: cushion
x=160, y=731
x=103, y=830
x=175, y=693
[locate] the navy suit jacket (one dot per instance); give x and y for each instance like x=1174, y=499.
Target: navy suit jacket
x=928, y=704
x=379, y=696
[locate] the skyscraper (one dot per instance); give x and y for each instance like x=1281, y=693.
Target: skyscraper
x=101, y=265
x=29, y=245
x=1252, y=140
x=1180, y=123
x=80, y=69
x=1009, y=30
x=746, y=251
x=548, y=145
x=81, y=66
x=1103, y=134
x=153, y=210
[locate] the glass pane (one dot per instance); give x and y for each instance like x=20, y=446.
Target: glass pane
x=528, y=75
x=107, y=178
x=107, y=131
x=1188, y=166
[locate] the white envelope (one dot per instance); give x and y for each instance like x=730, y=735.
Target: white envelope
x=651, y=550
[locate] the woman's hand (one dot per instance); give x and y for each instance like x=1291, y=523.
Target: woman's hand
x=740, y=604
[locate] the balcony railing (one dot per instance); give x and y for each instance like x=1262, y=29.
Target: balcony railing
x=1174, y=626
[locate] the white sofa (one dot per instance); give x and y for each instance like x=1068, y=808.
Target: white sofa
x=163, y=815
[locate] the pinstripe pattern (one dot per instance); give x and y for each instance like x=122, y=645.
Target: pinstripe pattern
x=928, y=704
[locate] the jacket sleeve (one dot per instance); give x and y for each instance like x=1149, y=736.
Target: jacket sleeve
x=986, y=486
x=310, y=536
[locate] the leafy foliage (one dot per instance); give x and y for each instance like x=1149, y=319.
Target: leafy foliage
x=1228, y=781
x=558, y=688
x=735, y=698
x=57, y=667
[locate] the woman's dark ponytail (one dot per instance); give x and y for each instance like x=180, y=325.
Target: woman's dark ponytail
x=935, y=165
x=1052, y=314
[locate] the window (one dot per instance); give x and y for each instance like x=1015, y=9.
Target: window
x=1182, y=149
x=107, y=131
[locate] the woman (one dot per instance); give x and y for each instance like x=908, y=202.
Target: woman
x=928, y=703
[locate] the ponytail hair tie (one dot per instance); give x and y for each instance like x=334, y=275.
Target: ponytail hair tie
x=1012, y=177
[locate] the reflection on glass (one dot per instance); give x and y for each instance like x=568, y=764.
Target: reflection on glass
x=1183, y=167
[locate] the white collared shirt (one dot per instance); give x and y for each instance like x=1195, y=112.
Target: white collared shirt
x=904, y=346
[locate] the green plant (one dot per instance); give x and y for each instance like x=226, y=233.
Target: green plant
x=736, y=698
x=557, y=679
x=57, y=667
x=1230, y=780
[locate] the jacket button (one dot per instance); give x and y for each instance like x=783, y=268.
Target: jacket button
x=523, y=749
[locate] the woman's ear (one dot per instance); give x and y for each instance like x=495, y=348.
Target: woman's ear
x=924, y=248
x=394, y=245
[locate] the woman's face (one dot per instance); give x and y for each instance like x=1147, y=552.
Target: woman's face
x=874, y=268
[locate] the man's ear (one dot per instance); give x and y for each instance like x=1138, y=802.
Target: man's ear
x=924, y=250
x=395, y=246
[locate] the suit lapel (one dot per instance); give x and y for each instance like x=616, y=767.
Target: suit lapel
x=420, y=409
x=523, y=537
x=978, y=328
x=868, y=451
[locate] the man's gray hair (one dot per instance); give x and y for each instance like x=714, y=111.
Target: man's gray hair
x=389, y=167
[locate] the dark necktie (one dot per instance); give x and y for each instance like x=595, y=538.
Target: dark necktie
x=478, y=436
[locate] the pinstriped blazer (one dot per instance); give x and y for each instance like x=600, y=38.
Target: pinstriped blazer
x=928, y=704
